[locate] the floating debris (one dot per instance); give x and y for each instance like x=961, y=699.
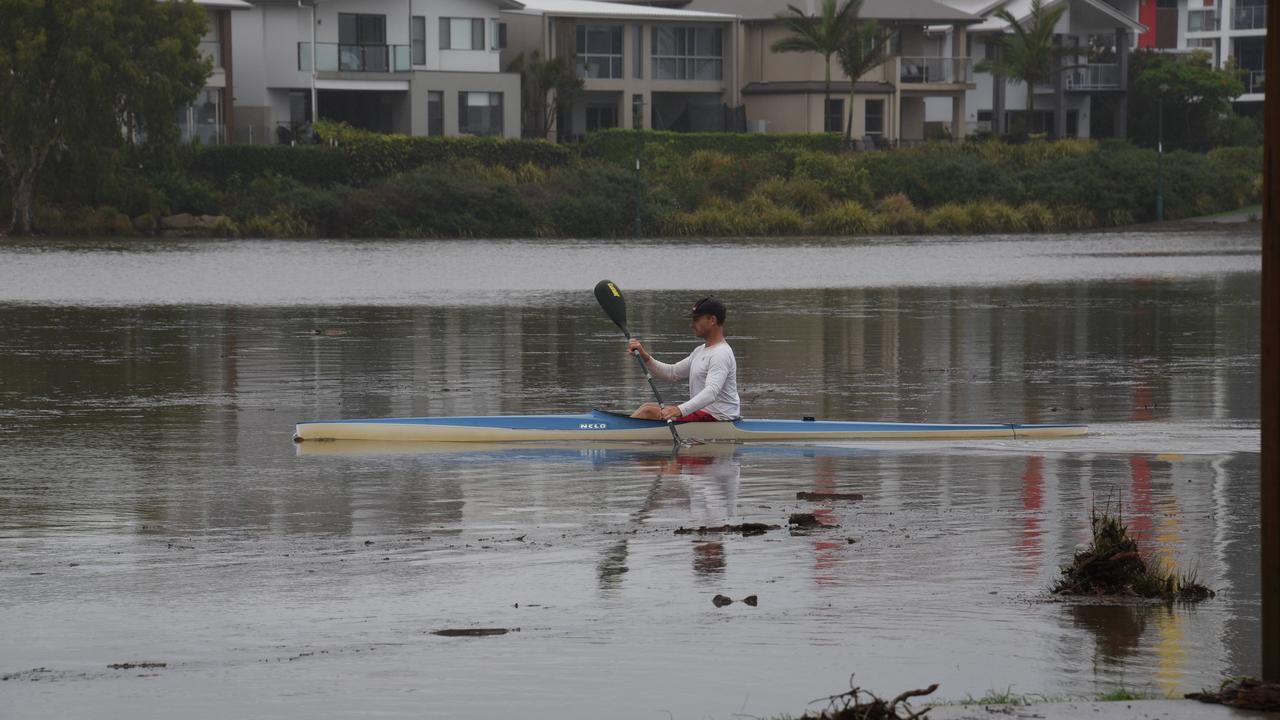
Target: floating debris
x=132, y=665
x=1112, y=565
x=820, y=496
x=1245, y=693
x=473, y=632
x=751, y=600
x=859, y=704
x=747, y=529
x=721, y=600
x=806, y=521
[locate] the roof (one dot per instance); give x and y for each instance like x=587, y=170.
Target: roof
x=929, y=11
x=598, y=8
x=799, y=87
x=226, y=4
x=1021, y=9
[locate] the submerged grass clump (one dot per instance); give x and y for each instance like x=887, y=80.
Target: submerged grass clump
x=1113, y=565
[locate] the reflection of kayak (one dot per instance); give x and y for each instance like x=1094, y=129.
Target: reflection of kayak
x=600, y=425
x=572, y=451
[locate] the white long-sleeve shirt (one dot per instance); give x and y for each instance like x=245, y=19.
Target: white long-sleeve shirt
x=713, y=380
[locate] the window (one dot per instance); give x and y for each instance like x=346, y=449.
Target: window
x=461, y=34
x=480, y=113
x=834, y=116
x=362, y=43
x=418, y=39
x=435, y=113
x=500, y=36
x=874, y=117
x=687, y=53
x=600, y=50
x=601, y=116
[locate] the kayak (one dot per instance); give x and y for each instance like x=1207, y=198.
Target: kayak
x=601, y=425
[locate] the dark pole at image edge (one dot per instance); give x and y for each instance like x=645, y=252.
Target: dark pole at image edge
x=1270, y=475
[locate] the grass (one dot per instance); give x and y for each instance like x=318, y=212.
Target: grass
x=1122, y=694
x=1005, y=697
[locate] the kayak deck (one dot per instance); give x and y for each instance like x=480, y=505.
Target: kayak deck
x=600, y=425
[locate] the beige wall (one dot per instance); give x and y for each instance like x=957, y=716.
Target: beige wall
x=761, y=64
x=802, y=113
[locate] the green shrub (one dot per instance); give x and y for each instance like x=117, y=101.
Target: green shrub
x=847, y=218
x=618, y=145
x=802, y=194
x=1073, y=217
x=838, y=175
x=717, y=217
x=947, y=220
x=279, y=223
x=1037, y=218
x=898, y=216
x=994, y=217
x=770, y=219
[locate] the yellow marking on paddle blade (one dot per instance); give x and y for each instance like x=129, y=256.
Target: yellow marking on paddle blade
x=613, y=289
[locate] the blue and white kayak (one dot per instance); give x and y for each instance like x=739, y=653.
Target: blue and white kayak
x=600, y=425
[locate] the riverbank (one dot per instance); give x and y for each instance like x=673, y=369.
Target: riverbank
x=368, y=186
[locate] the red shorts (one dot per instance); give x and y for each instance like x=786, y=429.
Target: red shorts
x=697, y=416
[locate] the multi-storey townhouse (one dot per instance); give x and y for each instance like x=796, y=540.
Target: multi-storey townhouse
x=1089, y=93
x=421, y=67
x=677, y=68
x=208, y=118
x=1231, y=31
x=783, y=92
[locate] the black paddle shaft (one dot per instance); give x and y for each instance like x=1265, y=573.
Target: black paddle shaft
x=615, y=306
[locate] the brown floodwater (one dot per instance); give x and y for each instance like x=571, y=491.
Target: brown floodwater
x=154, y=510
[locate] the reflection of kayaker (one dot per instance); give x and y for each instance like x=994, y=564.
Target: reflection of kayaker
x=711, y=369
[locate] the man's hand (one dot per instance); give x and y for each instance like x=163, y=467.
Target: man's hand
x=634, y=346
x=670, y=412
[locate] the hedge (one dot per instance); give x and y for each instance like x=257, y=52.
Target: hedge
x=361, y=162
x=618, y=145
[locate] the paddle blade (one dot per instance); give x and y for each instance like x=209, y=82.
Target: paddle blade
x=610, y=298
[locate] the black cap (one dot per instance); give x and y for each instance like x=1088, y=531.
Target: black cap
x=708, y=306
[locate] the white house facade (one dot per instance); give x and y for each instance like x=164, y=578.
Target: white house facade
x=1230, y=31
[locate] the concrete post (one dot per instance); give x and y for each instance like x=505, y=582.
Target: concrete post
x=1122, y=104
x=1059, y=93
x=998, y=127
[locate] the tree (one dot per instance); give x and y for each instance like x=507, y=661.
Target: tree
x=1196, y=98
x=81, y=76
x=546, y=86
x=823, y=35
x=865, y=48
x=1027, y=53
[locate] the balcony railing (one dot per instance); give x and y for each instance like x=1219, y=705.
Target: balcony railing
x=1249, y=17
x=1202, y=21
x=1253, y=82
x=1093, y=76
x=936, y=70
x=335, y=57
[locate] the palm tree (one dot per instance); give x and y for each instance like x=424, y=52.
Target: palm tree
x=864, y=48
x=821, y=35
x=1027, y=54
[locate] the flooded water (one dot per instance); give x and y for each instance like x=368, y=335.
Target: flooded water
x=153, y=508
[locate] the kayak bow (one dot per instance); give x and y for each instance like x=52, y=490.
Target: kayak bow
x=601, y=425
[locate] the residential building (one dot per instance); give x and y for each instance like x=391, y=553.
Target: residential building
x=1088, y=96
x=1231, y=31
x=420, y=67
x=783, y=92
x=208, y=118
x=679, y=67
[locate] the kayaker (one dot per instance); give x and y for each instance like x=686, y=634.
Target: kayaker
x=711, y=369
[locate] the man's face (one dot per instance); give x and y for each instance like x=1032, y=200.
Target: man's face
x=702, y=325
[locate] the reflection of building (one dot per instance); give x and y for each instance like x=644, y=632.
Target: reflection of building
x=206, y=120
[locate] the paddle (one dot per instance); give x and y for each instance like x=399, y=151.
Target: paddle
x=615, y=306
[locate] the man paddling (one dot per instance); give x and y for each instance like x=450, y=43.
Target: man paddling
x=711, y=369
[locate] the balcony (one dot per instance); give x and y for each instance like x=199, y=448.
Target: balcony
x=1253, y=81
x=1202, y=21
x=1249, y=17
x=335, y=57
x=1093, y=76
x=936, y=70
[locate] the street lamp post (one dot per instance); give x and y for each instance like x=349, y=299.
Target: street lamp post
x=1160, y=153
